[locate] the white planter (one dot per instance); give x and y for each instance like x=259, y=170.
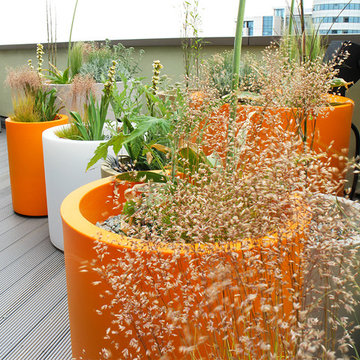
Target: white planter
x=63, y=91
x=65, y=163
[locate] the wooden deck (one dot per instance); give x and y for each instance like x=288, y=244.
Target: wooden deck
x=34, y=322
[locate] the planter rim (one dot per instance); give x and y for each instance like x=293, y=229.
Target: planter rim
x=342, y=100
x=50, y=134
x=62, y=117
x=72, y=215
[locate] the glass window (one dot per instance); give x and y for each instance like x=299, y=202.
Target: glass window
x=250, y=26
x=279, y=12
x=267, y=25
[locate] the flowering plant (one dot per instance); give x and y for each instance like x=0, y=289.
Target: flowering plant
x=32, y=100
x=230, y=258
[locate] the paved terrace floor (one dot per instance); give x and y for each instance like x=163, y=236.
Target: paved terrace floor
x=34, y=322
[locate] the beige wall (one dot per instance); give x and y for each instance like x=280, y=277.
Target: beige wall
x=171, y=57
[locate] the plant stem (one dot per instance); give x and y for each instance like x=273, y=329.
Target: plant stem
x=71, y=29
x=237, y=45
x=235, y=78
x=303, y=33
x=291, y=17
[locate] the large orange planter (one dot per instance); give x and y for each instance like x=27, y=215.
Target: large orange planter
x=331, y=127
x=80, y=211
x=26, y=165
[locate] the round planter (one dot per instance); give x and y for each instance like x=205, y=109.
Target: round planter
x=80, y=211
x=26, y=165
x=64, y=91
x=65, y=164
x=332, y=127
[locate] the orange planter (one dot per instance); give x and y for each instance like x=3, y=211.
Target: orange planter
x=26, y=165
x=331, y=127
x=80, y=211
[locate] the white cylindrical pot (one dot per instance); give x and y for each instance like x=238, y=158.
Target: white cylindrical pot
x=65, y=162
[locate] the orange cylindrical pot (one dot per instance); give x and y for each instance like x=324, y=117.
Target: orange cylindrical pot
x=80, y=211
x=328, y=133
x=26, y=165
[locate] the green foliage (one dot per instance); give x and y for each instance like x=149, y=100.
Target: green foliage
x=99, y=60
x=93, y=127
x=192, y=43
x=37, y=106
x=142, y=176
x=76, y=58
x=292, y=46
x=45, y=103
x=70, y=132
x=58, y=77
x=142, y=135
x=24, y=109
x=135, y=139
x=220, y=69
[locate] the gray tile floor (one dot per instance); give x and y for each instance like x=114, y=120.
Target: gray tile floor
x=34, y=321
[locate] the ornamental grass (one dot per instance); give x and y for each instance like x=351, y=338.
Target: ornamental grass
x=246, y=253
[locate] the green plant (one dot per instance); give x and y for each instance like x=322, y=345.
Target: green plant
x=98, y=60
x=91, y=124
x=51, y=33
x=31, y=100
x=254, y=265
x=192, y=44
x=57, y=76
x=221, y=290
x=144, y=136
x=74, y=59
x=220, y=67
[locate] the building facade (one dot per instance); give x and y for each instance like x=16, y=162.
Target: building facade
x=263, y=26
x=274, y=25
x=326, y=16
x=336, y=16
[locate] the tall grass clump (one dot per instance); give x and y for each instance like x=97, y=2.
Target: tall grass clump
x=32, y=100
x=260, y=260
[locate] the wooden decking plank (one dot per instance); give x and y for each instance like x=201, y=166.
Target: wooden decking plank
x=23, y=245
x=6, y=211
x=10, y=222
x=21, y=292
x=34, y=321
x=25, y=320
x=27, y=266
x=5, y=191
x=41, y=342
x=9, y=237
x=62, y=350
x=5, y=201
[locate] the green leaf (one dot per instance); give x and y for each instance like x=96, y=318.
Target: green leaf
x=101, y=151
x=191, y=159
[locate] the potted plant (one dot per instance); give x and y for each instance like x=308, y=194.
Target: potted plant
x=93, y=60
x=277, y=83
x=229, y=246
x=67, y=149
x=35, y=110
x=144, y=124
x=216, y=265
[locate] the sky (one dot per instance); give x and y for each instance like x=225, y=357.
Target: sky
x=24, y=21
